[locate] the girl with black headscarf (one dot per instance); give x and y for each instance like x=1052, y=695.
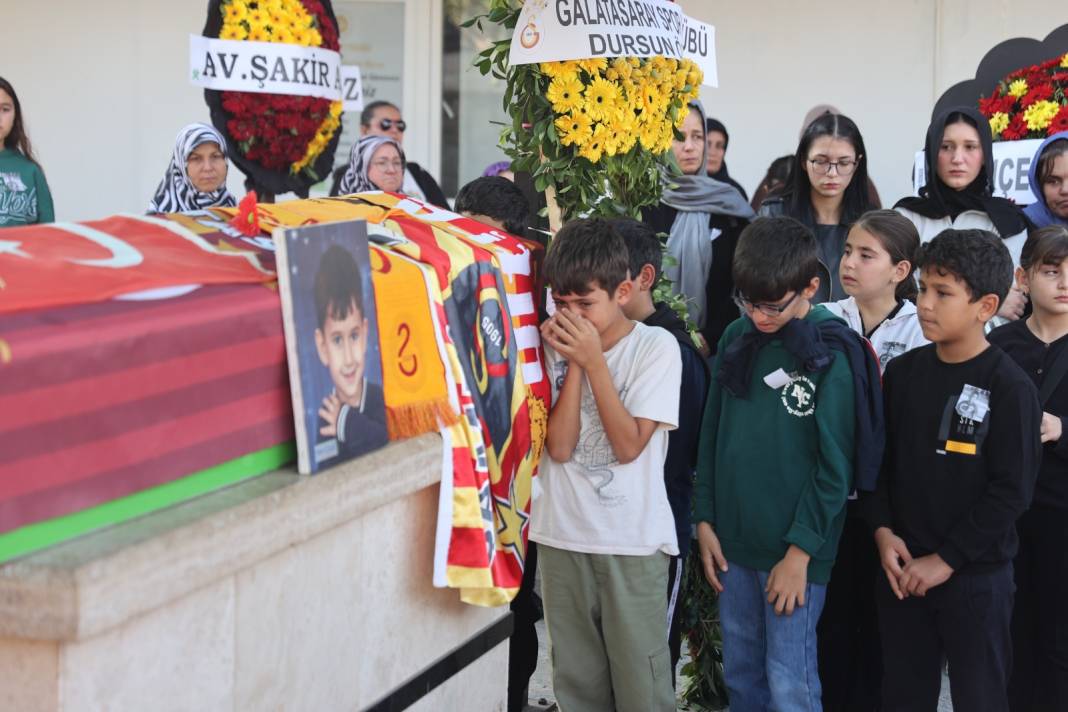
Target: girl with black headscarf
x=959, y=192
x=196, y=175
x=717, y=138
x=703, y=218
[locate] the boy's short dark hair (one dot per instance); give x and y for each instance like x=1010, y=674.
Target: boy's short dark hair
x=775, y=255
x=586, y=252
x=498, y=198
x=978, y=258
x=338, y=285
x=643, y=246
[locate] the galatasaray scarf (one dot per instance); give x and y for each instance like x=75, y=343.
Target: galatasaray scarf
x=176, y=193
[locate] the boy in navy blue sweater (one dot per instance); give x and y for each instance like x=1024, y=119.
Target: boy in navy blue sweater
x=645, y=254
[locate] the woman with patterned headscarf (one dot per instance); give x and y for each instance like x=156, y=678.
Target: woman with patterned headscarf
x=375, y=163
x=196, y=176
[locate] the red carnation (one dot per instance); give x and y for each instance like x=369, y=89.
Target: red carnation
x=1059, y=122
x=1038, y=93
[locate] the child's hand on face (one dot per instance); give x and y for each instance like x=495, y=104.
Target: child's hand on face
x=1013, y=307
x=1051, y=428
x=787, y=581
x=923, y=574
x=329, y=411
x=574, y=337
x=893, y=555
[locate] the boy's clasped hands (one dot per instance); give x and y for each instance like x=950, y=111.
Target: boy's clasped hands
x=908, y=576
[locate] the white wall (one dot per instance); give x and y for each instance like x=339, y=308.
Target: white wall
x=883, y=64
x=103, y=85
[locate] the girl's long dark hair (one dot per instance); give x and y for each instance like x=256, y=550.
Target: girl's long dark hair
x=797, y=197
x=899, y=237
x=17, y=140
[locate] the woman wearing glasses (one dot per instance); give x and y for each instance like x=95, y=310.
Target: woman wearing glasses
x=960, y=190
x=375, y=163
x=703, y=218
x=381, y=118
x=827, y=191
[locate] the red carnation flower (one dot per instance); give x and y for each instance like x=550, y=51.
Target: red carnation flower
x=1016, y=129
x=1059, y=122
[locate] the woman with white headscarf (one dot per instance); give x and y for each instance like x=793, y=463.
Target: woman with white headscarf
x=703, y=218
x=196, y=176
x=375, y=163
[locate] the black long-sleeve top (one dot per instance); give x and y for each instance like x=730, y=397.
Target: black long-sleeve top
x=1036, y=358
x=962, y=454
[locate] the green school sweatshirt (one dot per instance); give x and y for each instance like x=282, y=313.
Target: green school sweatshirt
x=775, y=468
x=24, y=195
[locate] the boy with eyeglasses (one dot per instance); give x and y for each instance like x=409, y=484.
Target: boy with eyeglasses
x=775, y=467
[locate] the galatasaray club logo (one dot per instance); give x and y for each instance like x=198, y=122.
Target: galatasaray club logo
x=530, y=36
x=799, y=397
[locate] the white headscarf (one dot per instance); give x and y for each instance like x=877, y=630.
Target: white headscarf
x=356, y=179
x=176, y=193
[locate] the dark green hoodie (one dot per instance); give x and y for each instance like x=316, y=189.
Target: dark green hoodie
x=776, y=467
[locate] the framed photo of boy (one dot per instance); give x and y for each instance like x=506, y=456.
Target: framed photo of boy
x=331, y=331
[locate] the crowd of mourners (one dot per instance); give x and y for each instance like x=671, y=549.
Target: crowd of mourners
x=860, y=424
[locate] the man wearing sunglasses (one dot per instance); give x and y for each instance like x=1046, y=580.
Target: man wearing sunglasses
x=381, y=118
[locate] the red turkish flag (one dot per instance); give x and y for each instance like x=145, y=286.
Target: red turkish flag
x=71, y=263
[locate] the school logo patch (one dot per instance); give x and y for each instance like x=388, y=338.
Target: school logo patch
x=799, y=397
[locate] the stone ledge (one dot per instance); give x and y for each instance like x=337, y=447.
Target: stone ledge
x=87, y=586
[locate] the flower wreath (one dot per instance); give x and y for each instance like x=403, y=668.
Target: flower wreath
x=1029, y=103
x=282, y=143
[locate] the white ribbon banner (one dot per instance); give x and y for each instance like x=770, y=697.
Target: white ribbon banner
x=273, y=68
x=560, y=30
x=1012, y=161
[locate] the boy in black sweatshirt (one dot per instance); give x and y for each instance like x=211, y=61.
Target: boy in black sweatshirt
x=645, y=254
x=962, y=453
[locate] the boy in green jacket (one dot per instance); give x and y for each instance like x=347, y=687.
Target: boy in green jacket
x=774, y=470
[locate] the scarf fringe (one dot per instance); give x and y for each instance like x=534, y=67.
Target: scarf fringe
x=411, y=419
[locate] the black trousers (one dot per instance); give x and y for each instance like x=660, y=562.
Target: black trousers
x=850, y=655
x=965, y=620
x=523, y=647
x=676, y=572
x=1039, y=681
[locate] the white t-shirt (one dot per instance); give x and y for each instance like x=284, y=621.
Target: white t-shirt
x=893, y=337
x=592, y=503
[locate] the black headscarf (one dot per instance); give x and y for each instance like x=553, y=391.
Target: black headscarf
x=937, y=200
x=722, y=174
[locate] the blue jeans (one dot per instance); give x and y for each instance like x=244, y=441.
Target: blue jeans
x=769, y=661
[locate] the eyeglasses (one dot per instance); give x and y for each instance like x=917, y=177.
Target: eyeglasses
x=384, y=164
x=387, y=124
x=844, y=166
x=772, y=310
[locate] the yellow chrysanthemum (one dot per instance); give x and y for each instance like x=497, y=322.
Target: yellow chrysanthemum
x=565, y=94
x=622, y=67
x=999, y=122
x=1064, y=60
x=1018, y=88
x=594, y=67
x=652, y=99
x=1039, y=115
x=259, y=34
x=281, y=34
x=558, y=69
x=594, y=147
x=649, y=135
x=684, y=111
x=233, y=32
x=574, y=129
x=258, y=18
x=234, y=12
x=601, y=97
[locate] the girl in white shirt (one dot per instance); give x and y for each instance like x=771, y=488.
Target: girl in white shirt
x=876, y=271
